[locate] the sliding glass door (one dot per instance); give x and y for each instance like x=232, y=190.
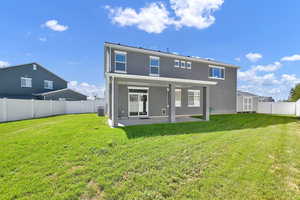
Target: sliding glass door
x=137, y=102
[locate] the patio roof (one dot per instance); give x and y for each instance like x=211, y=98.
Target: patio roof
x=158, y=78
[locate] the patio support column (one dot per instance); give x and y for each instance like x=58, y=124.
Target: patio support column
x=206, y=103
x=172, y=111
x=114, y=111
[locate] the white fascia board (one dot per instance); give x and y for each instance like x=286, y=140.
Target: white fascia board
x=159, y=78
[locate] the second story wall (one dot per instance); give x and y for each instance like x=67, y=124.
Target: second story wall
x=138, y=63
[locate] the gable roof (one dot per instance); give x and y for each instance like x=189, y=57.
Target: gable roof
x=16, y=66
x=242, y=93
x=58, y=91
x=163, y=53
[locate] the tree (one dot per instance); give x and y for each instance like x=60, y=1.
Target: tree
x=295, y=93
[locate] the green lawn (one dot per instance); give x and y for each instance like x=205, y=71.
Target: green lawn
x=246, y=156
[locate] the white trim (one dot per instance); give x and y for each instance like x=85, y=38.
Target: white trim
x=177, y=66
x=178, y=90
x=194, y=91
x=150, y=66
x=158, y=78
x=219, y=67
x=27, y=84
x=153, y=52
x=182, y=62
x=139, y=88
x=129, y=93
x=125, y=62
x=120, y=52
x=190, y=67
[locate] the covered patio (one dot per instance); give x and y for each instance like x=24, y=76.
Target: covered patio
x=170, y=84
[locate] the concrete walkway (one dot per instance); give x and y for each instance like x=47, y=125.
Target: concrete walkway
x=155, y=120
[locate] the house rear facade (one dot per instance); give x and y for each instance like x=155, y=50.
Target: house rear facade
x=33, y=81
x=144, y=83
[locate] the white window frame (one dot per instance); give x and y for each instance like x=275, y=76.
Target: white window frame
x=182, y=66
x=194, y=91
x=150, y=66
x=177, y=61
x=48, y=83
x=28, y=82
x=34, y=67
x=125, y=54
x=189, y=65
x=178, y=103
x=213, y=66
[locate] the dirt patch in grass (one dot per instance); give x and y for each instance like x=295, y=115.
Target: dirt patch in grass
x=93, y=192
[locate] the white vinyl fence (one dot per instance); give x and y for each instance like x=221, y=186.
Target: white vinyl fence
x=16, y=109
x=282, y=108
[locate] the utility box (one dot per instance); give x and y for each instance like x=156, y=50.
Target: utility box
x=100, y=111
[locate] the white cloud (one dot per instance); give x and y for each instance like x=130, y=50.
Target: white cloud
x=268, y=68
x=55, y=26
x=88, y=89
x=295, y=57
x=237, y=59
x=152, y=19
x=43, y=39
x=155, y=18
x=195, y=13
x=268, y=84
x=4, y=64
x=253, y=57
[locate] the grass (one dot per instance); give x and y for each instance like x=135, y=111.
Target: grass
x=245, y=156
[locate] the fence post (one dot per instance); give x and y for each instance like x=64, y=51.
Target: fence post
x=32, y=108
x=51, y=107
x=4, y=104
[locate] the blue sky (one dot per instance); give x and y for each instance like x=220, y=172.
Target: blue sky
x=67, y=38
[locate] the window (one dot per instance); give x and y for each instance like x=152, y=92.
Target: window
x=120, y=61
x=34, y=67
x=26, y=82
x=188, y=65
x=154, y=66
x=177, y=63
x=182, y=64
x=178, y=97
x=216, y=72
x=193, y=98
x=48, y=84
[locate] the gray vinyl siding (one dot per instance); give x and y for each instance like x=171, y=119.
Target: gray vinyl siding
x=158, y=101
x=222, y=96
x=10, y=81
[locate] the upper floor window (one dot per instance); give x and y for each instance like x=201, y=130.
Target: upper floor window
x=182, y=64
x=120, y=61
x=26, y=82
x=188, y=65
x=154, y=66
x=48, y=84
x=193, y=98
x=34, y=67
x=178, y=97
x=216, y=72
x=177, y=63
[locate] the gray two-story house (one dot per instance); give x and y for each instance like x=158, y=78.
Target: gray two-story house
x=143, y=83
x=33, y=81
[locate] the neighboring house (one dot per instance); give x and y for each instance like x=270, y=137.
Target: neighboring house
x=246, y=102
x=144, y=83
x=265, y=99
x=32, y=81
